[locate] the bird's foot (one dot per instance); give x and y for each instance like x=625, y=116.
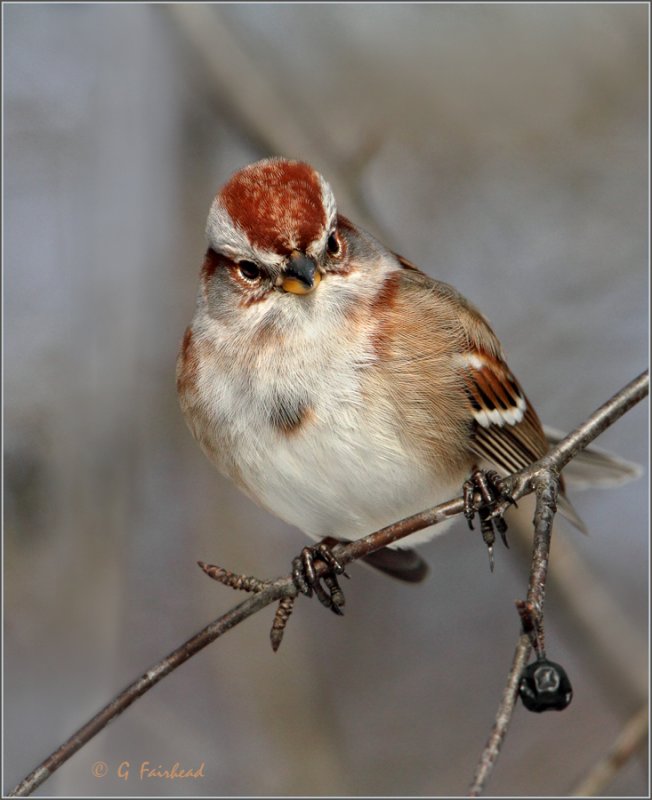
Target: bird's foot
x=493, y=503
x=307, y=580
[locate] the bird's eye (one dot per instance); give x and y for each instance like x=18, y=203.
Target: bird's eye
x=249, y=270
x=333, y=245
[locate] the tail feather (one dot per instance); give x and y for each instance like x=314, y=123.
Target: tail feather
x=595, y=468
x=568, y=511
x=591, y=468
x=404, y=564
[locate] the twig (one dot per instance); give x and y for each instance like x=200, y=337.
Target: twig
x=545, y=476
x=602, y=633
x=503, y=716
x=630, y=740
x=546, y=484
x=520, y=484
x=602, y=418
x=531, y=622
x=153, y=675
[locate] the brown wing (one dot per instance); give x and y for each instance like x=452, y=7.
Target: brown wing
x=506, y=429
x=446, y=373
x=452, y=339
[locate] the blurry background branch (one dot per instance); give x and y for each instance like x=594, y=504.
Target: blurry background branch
x=541, y=477
x=631, y=739
x=264, y=108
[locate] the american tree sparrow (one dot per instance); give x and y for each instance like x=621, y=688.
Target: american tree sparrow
x=336, y=384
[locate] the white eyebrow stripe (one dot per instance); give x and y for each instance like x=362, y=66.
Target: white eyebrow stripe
x=317, y=246
x=221, y=233
x=225, y=237
x=328, y=203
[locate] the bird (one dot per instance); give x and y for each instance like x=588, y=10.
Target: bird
x=338, y=385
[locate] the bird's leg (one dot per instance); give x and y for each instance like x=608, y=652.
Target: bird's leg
x=307, y=581
x=493, y=501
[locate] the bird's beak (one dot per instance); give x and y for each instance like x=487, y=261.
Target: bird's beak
x=301, y=275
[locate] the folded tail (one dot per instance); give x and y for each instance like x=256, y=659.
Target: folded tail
x=594, y=468
x=404, y=564
x=591, y=468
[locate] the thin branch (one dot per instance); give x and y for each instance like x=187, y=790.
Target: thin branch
x=604, y=634
x=630, y=740
x=518, y=485
x=494, y=743
x=601, y=419
x=154, y=674
x=547, y=485
x=545, y=476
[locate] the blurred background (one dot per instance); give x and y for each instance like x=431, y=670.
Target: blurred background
x=503, y=148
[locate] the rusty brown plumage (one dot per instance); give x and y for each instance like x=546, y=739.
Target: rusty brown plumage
x=187, y=364
x=274, y=200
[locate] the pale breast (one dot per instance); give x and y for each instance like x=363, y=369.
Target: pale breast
x=335, y=422
x=341, y=475
x=303, y=437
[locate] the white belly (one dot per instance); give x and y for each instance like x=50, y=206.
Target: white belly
x=335, y=480
x=344, y=473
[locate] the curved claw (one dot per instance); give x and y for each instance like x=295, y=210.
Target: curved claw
x=327, y=555
x=501, y=527
x=336, y=599
x=299, y=577
x=493, y=504
x=307, y=582
x=502, y=504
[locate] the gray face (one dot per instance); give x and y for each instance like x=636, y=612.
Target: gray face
x=258, y=305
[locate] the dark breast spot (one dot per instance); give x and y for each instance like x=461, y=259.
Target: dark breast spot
x=288, y=415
